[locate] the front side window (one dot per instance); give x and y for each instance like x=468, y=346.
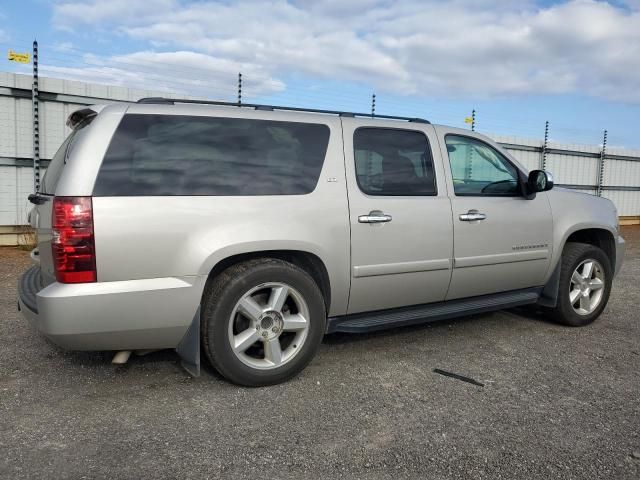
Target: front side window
x=197, y=155
x=393, y=162
x=479, y=169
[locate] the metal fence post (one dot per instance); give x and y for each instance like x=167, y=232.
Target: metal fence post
x=369, y=153
x=468, y=167
x=544, y=145
x=603, y=154
x=36, y=120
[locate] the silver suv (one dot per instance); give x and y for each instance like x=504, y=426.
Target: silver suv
x=249, y=232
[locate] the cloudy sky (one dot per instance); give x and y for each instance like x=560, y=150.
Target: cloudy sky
x=518, y=63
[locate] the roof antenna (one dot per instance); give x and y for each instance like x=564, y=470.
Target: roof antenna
x=373, y=105
x=239, y=88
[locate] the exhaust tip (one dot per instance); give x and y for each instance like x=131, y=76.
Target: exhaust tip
x=121, y=357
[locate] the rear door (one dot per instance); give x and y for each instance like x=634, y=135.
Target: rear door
x=502, y=241
x=400, y=215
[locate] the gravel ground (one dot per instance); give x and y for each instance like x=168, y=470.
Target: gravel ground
x=557, y=402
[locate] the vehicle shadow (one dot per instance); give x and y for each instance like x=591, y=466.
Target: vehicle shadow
x=101, y=359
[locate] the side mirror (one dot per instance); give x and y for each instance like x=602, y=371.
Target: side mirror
x=539, y=181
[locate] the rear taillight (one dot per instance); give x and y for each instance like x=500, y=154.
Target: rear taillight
x=73, y=246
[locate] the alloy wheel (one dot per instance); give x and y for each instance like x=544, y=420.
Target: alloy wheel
x=587, y=287
x=268, y=326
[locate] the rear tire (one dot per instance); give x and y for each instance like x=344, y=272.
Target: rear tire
x=585, y=285
x=262, y=321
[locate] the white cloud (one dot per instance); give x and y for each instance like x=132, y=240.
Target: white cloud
x=457, y=48
x=63, y=47
x=69, y=13
x=177, y=72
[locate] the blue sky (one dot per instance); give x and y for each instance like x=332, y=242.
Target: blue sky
x=518, y=63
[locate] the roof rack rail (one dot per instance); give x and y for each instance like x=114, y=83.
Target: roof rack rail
x=173, y=101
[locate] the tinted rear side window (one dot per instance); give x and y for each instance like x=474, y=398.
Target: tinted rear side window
x=185, y=155
x=393, y=162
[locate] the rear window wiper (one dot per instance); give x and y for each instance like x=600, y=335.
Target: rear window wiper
x=37, y=199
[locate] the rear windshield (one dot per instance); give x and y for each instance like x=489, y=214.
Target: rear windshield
x=54, y=170
x=189, y=155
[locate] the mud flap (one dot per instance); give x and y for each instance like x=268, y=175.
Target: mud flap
x=549, y=295
x=189, y=347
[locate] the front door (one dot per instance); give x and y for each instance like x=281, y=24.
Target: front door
x=401, y=228
x=502, y=241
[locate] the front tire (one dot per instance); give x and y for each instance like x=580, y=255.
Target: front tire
x=262, y=321
x=585, y=284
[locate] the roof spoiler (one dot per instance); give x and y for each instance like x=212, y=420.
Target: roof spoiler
x=80, y=115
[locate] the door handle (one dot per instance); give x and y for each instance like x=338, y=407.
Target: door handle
x=375, y=216
x=472, y=216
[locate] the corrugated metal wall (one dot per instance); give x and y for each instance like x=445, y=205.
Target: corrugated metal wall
x=16, y=183
x=15, y=128
x=627, y=203
x=574, y=165
x=577, y=166
x=58, y=99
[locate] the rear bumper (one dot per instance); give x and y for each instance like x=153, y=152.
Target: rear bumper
x=126, y=315
x=28, y=287
x=620, y=249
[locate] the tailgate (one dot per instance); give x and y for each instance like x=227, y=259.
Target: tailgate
x=41, y=215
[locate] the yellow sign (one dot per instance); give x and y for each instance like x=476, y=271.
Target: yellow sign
x=19, y=57
x=468, y=120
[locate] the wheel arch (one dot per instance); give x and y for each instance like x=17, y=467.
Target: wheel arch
x=597, y=236
x=307, y=261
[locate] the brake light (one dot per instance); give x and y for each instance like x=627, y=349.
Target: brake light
x=72, y=244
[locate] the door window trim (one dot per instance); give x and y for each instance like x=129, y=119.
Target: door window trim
x=430, y=150
x=521, y=175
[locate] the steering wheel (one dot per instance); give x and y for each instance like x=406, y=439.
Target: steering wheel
x=489, y=185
